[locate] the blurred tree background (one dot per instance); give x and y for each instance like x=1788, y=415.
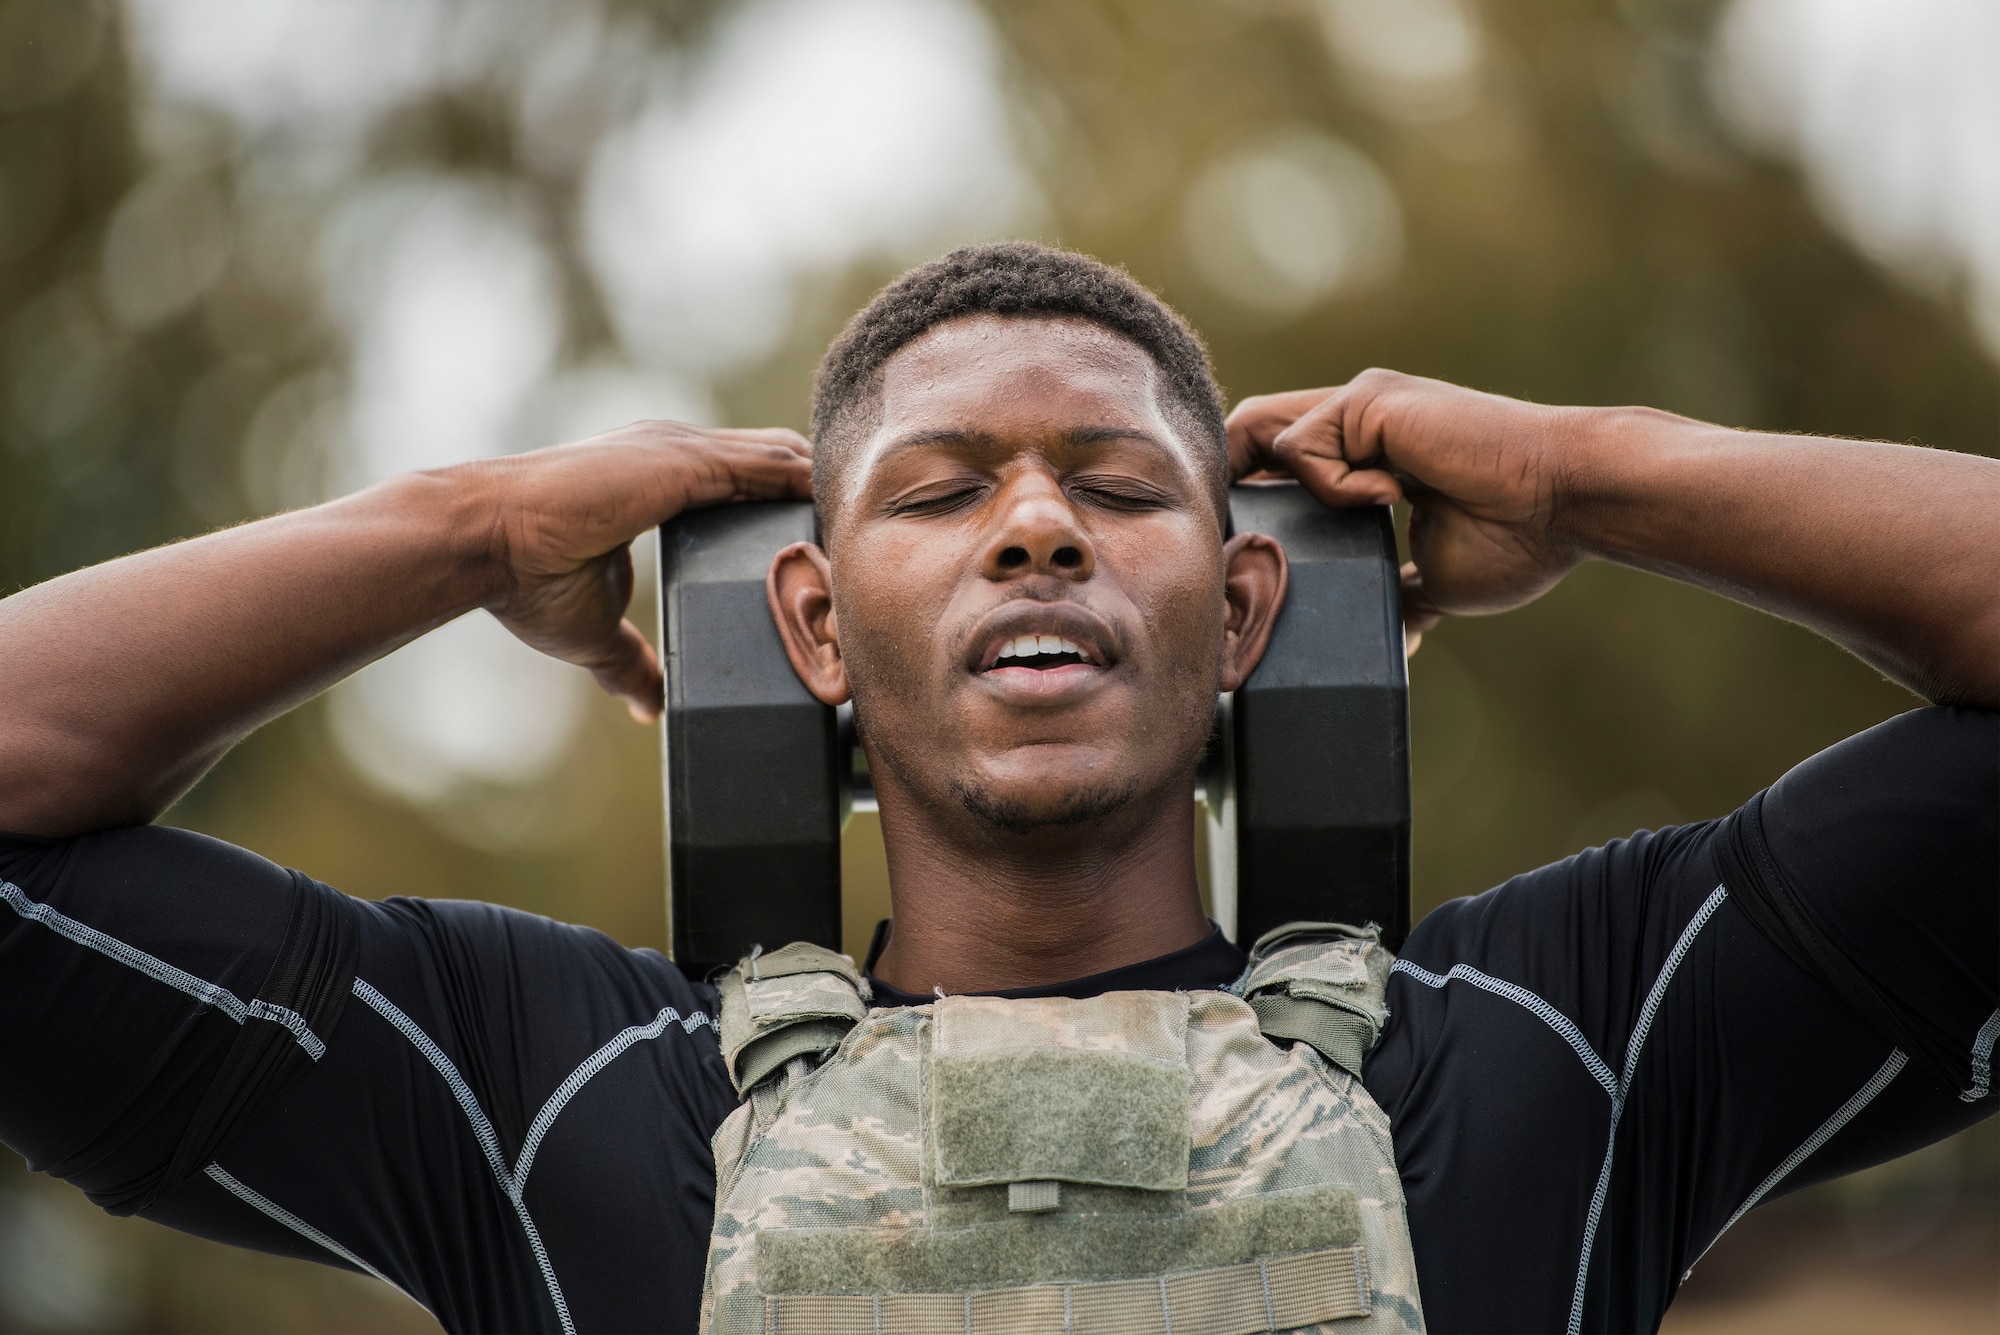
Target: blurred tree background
x=256, y=254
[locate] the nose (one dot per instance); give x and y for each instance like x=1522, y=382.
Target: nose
x=1037, y=532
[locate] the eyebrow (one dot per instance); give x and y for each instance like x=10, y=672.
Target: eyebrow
x=987, y=442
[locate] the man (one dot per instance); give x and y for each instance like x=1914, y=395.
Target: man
x=1590, y=1071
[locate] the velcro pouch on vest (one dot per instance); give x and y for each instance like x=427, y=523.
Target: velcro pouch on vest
x=1321, y=984
x=1058, y=1090
x=798, y=1001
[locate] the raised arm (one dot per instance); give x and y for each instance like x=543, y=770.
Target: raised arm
x=121, y=684
x=1889, y=550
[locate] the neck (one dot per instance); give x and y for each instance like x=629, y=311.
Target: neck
x=979, y=909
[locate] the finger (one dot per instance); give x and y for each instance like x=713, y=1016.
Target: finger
x=1257, y=420
x=630, y=670
x=1364, y=486
x=682, y=435
x=1260, y=411
x=747, y=471
x=1335, y=427
x=784, y=437
x=785, y=478
x=1420, y=615
x=1320, y=448
x=1252, y=428
x=1336, y=483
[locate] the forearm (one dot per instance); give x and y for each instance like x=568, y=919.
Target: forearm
x=1890, y=550
x=121, y=684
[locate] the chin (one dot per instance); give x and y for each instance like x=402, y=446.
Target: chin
x=1025, y=808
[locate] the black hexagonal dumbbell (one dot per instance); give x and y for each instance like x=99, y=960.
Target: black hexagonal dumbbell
x=1308, y=776
x=1307, y=780
x=752, y=760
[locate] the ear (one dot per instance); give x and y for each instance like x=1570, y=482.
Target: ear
x=1254, y=578
x=800, y=589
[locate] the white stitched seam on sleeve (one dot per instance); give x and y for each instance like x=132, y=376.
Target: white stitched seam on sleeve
x=160, y=971
x=596, y=1062
x=482, y=1130
x=1982, y=1060
x=1616, y=1086
x=1633, y=1046
x=1828, y=1129
x=1541, y=1009
x=264, y=1205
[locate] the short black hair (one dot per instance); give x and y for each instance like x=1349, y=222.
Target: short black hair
x=1009, y=278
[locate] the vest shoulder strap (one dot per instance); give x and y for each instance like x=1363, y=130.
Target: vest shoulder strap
x=1323, y=984
x=794, y=1002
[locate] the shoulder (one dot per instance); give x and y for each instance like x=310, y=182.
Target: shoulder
x=1546, y=922
x=565, y=975
x=1543, y=979
x=1914, y=801
x=541, y=1018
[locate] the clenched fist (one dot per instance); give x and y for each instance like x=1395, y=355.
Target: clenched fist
x=566, y=517
x=1484, y=476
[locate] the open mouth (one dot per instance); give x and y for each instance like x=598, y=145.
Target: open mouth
x=1040, y=652
x=1045, y=650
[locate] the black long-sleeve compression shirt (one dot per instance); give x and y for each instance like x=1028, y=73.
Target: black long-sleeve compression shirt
x=1591, y=1070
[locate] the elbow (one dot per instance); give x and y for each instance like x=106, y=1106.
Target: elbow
x=53, y=788
x=1968, y=672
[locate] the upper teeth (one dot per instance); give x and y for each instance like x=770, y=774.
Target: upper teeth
x=1027, y=646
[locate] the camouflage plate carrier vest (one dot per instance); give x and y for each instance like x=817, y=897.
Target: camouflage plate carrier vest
x=1137, y=1163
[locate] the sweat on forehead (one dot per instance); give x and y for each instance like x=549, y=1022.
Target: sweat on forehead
x=1020, y=279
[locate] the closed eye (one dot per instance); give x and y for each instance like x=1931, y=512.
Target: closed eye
x=1126, y=494
x=938, y=499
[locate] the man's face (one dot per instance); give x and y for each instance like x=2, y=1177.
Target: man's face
x=1030, y=600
